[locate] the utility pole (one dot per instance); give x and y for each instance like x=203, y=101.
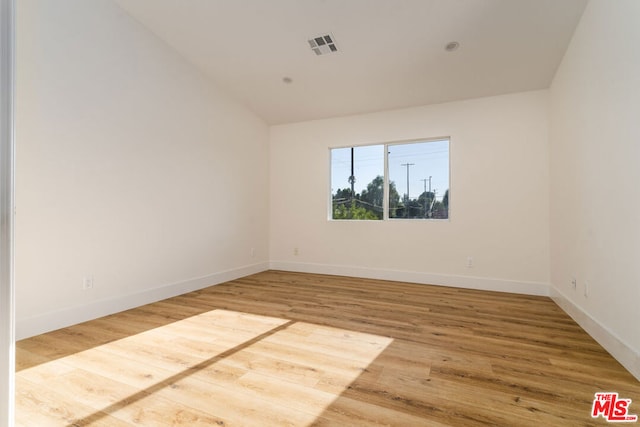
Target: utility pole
x=425, y=183
x=352, y=178
x=406, y=208
x=433, y=202
x=432, y=194
x=425, y=190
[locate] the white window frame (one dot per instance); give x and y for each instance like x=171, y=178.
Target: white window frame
x=385, y=199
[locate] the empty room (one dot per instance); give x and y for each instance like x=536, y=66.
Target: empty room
x=320, y=212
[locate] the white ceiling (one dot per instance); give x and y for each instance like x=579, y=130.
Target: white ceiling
x=391, y=52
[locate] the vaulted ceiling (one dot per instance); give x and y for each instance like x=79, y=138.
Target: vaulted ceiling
x=390, y=53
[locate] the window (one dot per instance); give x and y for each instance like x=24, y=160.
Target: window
x=391, y=181
x=357, y=183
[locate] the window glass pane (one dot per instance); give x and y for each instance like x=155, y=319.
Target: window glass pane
x=357, y=195
x=419, y=180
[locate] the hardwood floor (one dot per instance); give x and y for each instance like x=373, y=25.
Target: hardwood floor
x=281, y=348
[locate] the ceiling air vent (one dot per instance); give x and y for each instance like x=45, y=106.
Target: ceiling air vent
x=322, y=45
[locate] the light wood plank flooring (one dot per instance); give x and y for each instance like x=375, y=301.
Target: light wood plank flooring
x=277, y=349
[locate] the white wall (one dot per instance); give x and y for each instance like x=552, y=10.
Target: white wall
x=132, y=168
x=595, y=197
x=499, y=197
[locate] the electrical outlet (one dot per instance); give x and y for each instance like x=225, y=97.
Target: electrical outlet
x=296, y=251
x=574, y=282
x=87, y=282
x=253, y=252
x=469, y=262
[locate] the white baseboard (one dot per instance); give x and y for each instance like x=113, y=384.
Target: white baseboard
x=53, y=320
x=628, y=357
x=468, y=282
x=624, y=354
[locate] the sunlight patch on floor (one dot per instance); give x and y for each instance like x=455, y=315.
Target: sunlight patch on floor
x=220, y=364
